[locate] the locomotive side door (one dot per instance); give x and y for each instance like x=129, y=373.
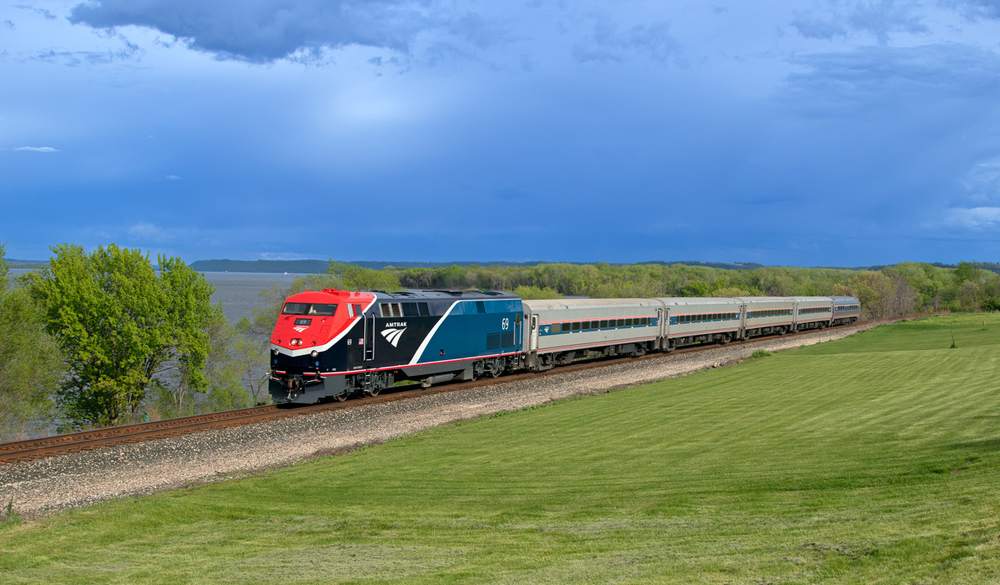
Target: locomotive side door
x=661, y=333
x=518, y=341
x=533, y=345
x=370, y=337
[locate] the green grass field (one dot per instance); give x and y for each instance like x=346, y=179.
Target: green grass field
x=875, y=459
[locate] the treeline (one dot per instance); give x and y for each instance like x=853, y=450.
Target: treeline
x=107, y=337
x=894, y=290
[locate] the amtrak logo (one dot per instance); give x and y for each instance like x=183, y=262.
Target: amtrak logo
x=300, y=328
x=392, y=335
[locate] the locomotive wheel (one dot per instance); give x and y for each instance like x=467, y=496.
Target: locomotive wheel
x=375, y=391
x=341, y=397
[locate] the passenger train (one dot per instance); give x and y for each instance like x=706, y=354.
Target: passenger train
x=333, y=344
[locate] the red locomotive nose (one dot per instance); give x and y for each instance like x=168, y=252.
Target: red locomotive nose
x=313, y=320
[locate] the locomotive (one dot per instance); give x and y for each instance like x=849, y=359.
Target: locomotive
x=333, y=344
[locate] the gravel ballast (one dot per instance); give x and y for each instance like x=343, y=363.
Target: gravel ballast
x=44, y=486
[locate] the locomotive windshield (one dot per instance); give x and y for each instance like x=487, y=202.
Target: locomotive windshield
x=322, y=309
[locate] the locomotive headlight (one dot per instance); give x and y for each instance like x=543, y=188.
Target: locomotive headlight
x=314, y=353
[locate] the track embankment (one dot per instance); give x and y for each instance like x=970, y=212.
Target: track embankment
x=42, y=486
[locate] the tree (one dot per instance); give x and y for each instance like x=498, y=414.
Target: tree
x=189, y=318
x=118, y=322
x=533, y=292
x=31, y=365
x=967, y=271
x=876, y=291
x=239, y=360
x=990, y=305
x=358, y=278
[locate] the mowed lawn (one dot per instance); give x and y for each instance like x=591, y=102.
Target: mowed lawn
x=875, y=459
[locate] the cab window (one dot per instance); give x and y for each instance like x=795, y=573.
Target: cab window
x=321, y=309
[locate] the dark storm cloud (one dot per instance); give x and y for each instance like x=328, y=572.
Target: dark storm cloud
x=607, y=43
x=266, y=30
x=879, y=19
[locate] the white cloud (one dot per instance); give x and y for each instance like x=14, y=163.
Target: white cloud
x=172, y=177
x=37, y=148
x=972, y=218
x=983, y=181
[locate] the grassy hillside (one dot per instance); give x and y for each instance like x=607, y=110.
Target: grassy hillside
x=875, y=459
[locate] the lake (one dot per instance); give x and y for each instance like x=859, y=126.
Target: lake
x=239, y=292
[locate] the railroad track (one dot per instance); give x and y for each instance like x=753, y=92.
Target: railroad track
x=82, y=441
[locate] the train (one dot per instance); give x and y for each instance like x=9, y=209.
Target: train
x=334, y=344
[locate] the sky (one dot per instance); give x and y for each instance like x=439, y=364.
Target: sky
x=806, y=132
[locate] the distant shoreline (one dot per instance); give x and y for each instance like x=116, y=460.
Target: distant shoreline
x=303, y=267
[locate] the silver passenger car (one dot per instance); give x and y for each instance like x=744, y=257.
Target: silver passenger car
x=813, y=312
x=560, y=330
x=846, y=310
x=700, y=320
x=768, y=315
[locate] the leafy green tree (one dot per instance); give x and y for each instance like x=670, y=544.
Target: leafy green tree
x=239, y=359
x=990, y=305
x=189, y=323
x=118, y=322
x=234, y=354
x=735, y=292
x=876, y=291
x=358, y=278
x=31, y=365
x=533, y=292
x=967, y=271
